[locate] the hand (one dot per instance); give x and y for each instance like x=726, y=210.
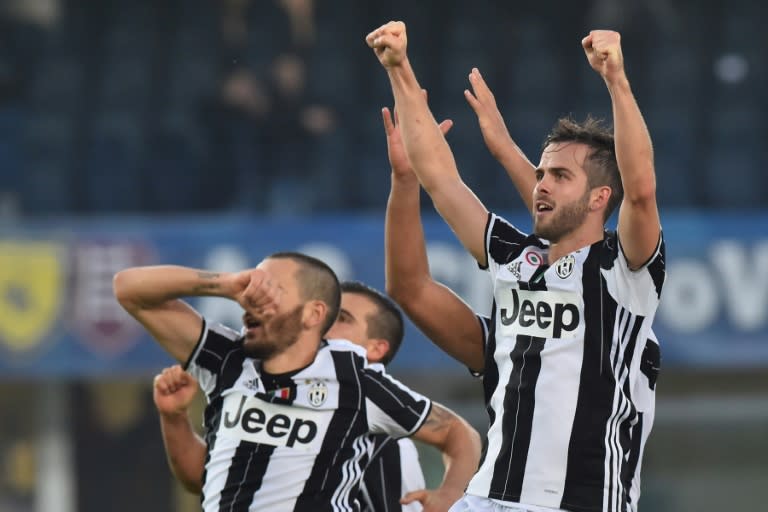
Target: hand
x=398, y=158
x=437, y=500
x=173, y=391
x=260, y=295
x=603, y=50
x=492, y=126
x=389, y=43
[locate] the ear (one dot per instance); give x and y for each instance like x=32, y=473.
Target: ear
x=377, y=349
x=599, y=197
x=314, y=313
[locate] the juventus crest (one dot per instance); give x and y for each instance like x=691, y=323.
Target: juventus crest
x=318, y=392
x=565, y=265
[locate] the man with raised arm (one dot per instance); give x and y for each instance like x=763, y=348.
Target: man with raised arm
x=573, y=303
x=290, y=414
x=367, y=318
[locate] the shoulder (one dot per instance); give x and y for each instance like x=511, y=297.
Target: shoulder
x=506, y=242
x=342, y=345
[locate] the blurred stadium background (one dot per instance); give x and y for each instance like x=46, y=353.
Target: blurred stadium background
x=212, y=132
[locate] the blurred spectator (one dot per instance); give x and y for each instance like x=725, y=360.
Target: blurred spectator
x=301, y=14
x=296, y=125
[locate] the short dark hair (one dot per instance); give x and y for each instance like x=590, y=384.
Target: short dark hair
x=317, y=281
x=601, y=165
x=387, y=323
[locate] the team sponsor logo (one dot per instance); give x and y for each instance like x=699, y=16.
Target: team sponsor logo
x=565, y=265
x=544, y=314
x=254, y=420
x=98, y=320
x=31, y=282
x=318, y=392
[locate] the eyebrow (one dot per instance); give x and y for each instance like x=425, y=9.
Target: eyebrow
x=553, y=169
x=343, y=311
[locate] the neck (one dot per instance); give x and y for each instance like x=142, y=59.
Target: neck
x=297, y=356
x=576, y=240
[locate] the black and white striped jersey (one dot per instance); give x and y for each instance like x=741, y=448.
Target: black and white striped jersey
x=301, y=446
x=393, y=471
x=563, y=358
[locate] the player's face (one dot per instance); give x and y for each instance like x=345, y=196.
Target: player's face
x=352, y=323
x=266, y=337
x=561, y=195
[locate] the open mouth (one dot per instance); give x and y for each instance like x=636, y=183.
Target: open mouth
x=542, y=207
x=251, y=322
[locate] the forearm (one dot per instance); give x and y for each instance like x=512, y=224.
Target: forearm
x=634, y=151
x=185, y=451
x=152, y=286
x=406, y=264
x=520, y=170
x=461, y=456
x=425, y=145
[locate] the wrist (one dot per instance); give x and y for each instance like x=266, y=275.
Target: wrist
x=174, y=417
x=404, y=178
x=618, y=84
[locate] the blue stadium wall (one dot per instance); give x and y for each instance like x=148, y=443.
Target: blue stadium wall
x=58, y=316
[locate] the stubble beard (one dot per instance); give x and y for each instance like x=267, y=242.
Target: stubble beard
x=564, y=222
x=283, y=333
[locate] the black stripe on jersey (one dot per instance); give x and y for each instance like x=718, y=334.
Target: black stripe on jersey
x=519, y=402
x=383, y=481
x=231, y=369
x=388, y=396
x=246, y=473
x=490, y=377
x=630, y=468
x=650, y=364
x=657, y=268
x=585, y=473
x=197, y=347
x=347, y=423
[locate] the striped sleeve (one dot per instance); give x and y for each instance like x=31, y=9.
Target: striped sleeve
x=391, y=407
x=205, y=363
x=638, y=290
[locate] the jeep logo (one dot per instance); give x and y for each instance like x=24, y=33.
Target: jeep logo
x=254, y=420
x=544, y=314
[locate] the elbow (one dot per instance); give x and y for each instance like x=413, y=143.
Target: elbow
x=405, y=293
x=641, y=192
x=124, y=290
x=192, y=486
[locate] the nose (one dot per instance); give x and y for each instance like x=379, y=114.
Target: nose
x=543, y=185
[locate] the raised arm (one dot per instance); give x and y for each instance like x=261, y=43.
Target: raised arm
x=443, y=317
x=173, y=391
x=498, y=140
x=152, y=295
x=427, y=149
x=639, y=225
x=460, y=445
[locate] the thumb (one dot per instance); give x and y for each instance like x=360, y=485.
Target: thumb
x=446, y=126
x=586, y=43
x=420, y=496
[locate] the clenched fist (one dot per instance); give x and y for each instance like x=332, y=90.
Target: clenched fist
x=173, y=391
x=389, y=43
x=603, y=49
